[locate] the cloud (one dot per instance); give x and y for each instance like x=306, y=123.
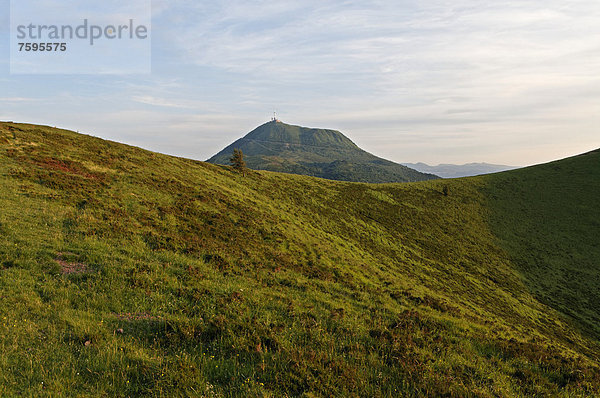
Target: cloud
x=17, y=99
x=162, y=102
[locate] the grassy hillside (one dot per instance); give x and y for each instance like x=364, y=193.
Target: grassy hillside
x=125, y=272
x=277, y=146
x=548, y=220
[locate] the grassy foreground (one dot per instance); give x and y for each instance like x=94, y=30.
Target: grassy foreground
x=125, y=273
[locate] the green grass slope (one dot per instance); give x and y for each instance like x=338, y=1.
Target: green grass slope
x=548, y=220
x=276, y=146
x=129, y=273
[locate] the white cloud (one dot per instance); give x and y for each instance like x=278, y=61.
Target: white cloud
x=163, y=102
x=17, y=99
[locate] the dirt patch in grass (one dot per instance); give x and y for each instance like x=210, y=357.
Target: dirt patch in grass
x=70, y=268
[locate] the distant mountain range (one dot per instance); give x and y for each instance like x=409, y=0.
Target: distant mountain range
x=455, y=171
x=277, y=146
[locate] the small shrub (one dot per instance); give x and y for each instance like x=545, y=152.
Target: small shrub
x=237, y=161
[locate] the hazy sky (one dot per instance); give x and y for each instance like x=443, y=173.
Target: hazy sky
x=512, y=82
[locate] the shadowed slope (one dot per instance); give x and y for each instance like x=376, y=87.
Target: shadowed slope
x=548, y=220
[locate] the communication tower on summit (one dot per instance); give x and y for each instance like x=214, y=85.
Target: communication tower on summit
x=274, y=118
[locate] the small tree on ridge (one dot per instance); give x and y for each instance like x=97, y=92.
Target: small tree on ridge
x=237, y=161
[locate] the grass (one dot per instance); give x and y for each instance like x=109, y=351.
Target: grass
x=554, y=244
x=129, y=273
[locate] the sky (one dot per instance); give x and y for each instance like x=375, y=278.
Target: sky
x=505, y=82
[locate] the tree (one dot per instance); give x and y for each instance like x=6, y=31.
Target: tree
x=237, y=161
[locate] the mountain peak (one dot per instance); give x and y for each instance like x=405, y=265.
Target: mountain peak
x=278, y=146
x=277, y=131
